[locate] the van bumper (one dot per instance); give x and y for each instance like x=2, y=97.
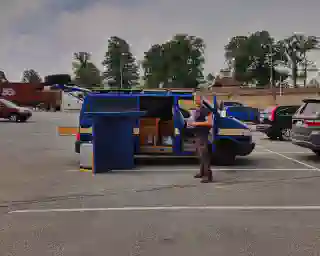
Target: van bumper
x=245, y=149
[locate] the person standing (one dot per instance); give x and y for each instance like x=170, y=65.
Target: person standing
x=202, y=123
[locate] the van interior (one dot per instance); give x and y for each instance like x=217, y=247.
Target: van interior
x=157, y=126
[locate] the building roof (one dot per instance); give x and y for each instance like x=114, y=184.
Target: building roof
x=226, y=82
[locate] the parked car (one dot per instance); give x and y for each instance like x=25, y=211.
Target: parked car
x=13, y=112
x=239, y=111
x=306, y=125
x=276, y=121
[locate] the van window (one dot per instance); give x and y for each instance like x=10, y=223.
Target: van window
x=157, y=107
x=111, y=104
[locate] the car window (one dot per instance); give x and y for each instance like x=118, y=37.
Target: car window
x=9, y=104
x=269, y=109
x=288, y=110
x=311, y=108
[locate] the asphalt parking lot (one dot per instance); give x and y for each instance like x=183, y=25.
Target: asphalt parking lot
x=267, y=204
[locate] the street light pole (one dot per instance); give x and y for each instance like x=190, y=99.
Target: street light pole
x=121, y=71
x=271, y=66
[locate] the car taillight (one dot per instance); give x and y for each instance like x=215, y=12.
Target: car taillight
x=273, y=114
x=313, y=123
x=78, y=136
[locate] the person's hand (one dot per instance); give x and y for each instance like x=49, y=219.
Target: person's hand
x=190, y=124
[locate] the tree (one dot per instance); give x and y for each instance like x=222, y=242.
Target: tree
x=3, y=78
x=296, y=48
x=177, y=63
x=121, y=69
x=254, y=58
x=210, y=78
x=86, y=73
x=31, y=76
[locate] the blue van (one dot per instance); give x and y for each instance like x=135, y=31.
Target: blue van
x=162, y=131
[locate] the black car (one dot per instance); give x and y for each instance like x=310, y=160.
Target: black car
x=306, y=125
x=276, y=121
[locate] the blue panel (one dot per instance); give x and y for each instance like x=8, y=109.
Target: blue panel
x=178, y=123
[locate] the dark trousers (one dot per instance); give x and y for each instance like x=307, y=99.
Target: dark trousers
x=204, y=156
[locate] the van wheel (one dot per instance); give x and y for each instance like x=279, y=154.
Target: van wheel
x=14, y=118
x=224, y=155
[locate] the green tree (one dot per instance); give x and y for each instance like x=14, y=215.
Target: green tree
x=210, y=78
x=3, y=78
x=31, y=76
x=121, y=69
x=254, y=58
x=177, y=63
x=296, y=48
x=86, y=74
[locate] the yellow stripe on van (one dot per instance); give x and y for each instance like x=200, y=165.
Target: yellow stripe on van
x=86, y=130
x=230, y=132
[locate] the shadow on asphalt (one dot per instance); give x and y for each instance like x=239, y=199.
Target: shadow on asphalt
x=185, y=161
x=310, y=158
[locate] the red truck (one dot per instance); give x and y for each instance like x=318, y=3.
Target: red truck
x=31, y=95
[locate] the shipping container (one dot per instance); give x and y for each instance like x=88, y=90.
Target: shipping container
x=31, y=95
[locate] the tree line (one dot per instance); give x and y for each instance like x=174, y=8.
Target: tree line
x=257, y=59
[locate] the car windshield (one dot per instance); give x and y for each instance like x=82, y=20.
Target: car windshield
x=311, y=108
x=9, y=103
x=269, y=109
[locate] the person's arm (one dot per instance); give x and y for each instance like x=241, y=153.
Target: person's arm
x=207, y=123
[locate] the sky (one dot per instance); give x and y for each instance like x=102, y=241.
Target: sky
x=44, y=34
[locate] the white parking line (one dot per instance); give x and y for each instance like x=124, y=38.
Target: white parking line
x=165, y=169
x=292, y=159
x=177, y=208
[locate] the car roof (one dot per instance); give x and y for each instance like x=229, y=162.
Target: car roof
x=312, y=100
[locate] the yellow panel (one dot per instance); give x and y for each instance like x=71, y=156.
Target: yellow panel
x=176, y=131
x=232, y=131
x=136, y=131
x=67, y=131
x=86, y=130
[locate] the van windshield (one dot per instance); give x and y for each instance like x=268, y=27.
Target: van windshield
x=9, y=104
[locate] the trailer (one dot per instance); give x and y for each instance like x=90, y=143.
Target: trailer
x=31, y=95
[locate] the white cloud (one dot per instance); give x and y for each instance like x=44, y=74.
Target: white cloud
x=56, y=34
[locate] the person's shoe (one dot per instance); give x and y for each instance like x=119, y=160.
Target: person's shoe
x=198, y=176
x=206, y=180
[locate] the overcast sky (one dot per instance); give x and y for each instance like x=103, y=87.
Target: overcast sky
x=43, y=34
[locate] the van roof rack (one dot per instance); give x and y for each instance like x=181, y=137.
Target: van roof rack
x=143, y=91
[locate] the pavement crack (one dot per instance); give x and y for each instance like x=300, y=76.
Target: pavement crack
x=166, y=187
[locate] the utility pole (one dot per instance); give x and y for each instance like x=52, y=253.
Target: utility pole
x=271, y=65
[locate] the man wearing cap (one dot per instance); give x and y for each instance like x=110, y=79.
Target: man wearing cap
x=202, y=123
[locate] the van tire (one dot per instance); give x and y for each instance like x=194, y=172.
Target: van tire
x=57, y=79
x=225, y=154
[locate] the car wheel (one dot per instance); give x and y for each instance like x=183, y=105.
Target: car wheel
x=285, y=134
x=14, y=118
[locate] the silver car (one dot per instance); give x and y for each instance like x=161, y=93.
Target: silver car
x=306, y=125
